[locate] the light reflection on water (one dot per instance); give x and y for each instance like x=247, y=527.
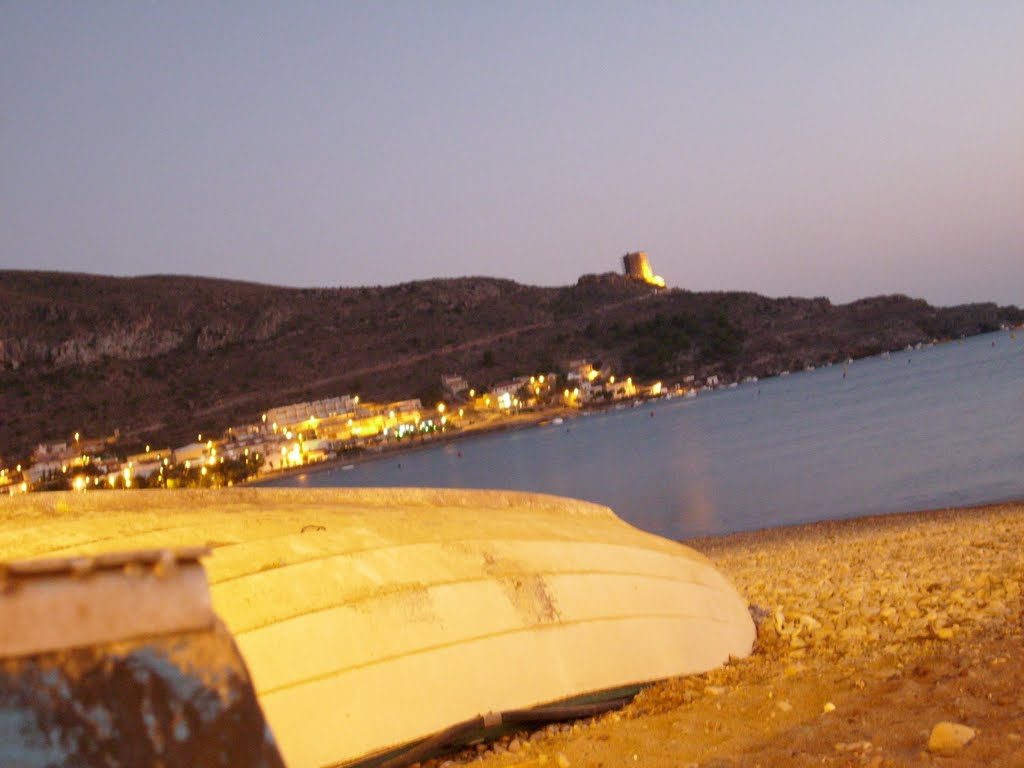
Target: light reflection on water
x=935, y=427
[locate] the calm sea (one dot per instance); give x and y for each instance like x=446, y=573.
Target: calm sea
x=936, y=427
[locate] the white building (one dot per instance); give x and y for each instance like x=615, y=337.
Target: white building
x=190, y=452
x=297, y=413
x=453, y=384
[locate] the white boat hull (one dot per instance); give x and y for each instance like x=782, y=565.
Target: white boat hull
x=372, y=618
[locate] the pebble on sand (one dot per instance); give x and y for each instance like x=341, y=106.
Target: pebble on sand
x=949, y=738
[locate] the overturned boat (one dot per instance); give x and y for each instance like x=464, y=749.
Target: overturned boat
x=371, y=619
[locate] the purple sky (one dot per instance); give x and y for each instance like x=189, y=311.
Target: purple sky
x=803, y=148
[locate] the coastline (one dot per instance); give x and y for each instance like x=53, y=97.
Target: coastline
x=515, y=423
x=871, y=631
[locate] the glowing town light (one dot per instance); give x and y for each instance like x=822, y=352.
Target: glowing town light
x=24, y=487
x=203, y=471
x=147, y=449
x=264, y=418
x=199, y=438
x=76, y=437
x=188, y=464
x=112, y=479
x=79, y=483
x=541, y=378
x=440, y=407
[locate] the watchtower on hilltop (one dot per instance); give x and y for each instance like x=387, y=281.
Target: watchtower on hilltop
x=637, y=266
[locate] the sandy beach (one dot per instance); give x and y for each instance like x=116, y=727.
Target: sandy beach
x=871, y=633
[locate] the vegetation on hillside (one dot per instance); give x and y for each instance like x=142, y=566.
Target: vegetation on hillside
x=98, y=354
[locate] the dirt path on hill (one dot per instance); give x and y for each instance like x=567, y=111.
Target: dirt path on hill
x=404, y=361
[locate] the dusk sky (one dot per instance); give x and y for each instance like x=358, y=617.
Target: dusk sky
x=788, y=148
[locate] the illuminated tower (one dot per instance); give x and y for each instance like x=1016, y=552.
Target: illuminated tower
x=636, y=266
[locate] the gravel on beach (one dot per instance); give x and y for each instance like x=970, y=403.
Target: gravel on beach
x=884, y=641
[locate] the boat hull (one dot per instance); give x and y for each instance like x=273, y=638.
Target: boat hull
x=370, y=618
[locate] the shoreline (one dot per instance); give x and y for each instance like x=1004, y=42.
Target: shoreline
x=520, y=422
x=879, y=521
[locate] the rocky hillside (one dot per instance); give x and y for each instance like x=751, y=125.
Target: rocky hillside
x=160, y=357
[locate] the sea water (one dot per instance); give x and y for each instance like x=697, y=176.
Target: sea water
x=933, y=427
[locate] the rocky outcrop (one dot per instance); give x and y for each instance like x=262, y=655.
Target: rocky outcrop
x=103, y=322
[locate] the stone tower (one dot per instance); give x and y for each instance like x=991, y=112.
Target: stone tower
x=637, y=266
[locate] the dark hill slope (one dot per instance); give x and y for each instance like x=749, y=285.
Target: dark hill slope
x=163, y=357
